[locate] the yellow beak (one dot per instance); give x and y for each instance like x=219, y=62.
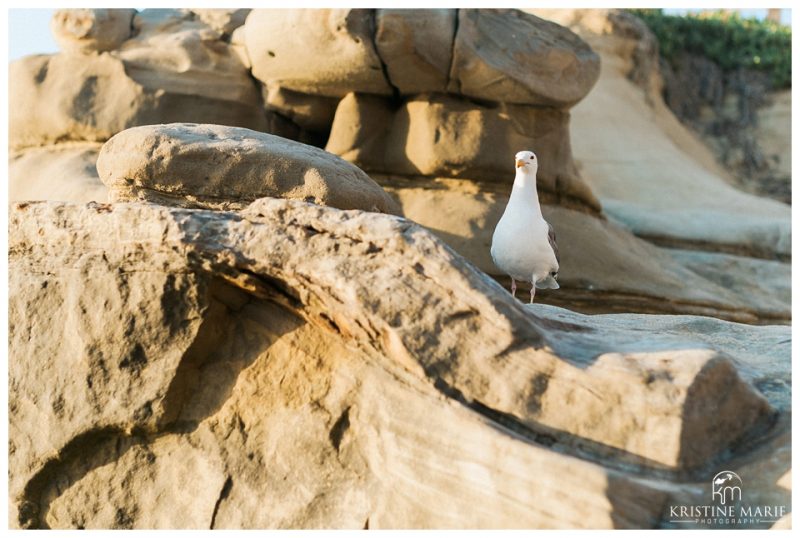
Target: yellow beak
x=520, y=163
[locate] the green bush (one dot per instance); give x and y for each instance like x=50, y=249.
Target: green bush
x=727, y=39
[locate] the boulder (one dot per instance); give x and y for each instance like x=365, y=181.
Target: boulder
x=416, y=45
x=312, y=112
x=604, y=268
x=327, y=52
x=441, y=135
x=193, y=165
x=62, y=172
x=69, y=97
x=91, y=30
x=267, y=359
x=507, y=55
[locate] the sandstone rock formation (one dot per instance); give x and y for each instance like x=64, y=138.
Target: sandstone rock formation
x=312, y=112
x=216, y=359
x=218, y=167
x=493, y=54
x=416, y=45
x=63, y=172
x=267, y=358
x=91, y=30
x=173, y=68
x=224, y=21
x=67, y=97
x=328, y=52
x=177, y=52
x=668, y=188
x=441, y=136
x=448, y=151
x=604, y=267
x=535, y=62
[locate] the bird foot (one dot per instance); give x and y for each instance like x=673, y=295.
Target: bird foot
x=514, y=288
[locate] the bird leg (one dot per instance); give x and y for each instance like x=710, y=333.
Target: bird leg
x=533, y=291
x=514, y=288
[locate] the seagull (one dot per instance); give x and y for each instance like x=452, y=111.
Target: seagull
x=524, y=244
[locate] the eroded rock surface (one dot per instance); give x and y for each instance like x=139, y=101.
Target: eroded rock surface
x=649, y=171
x=604, y=268
x=327, y=52
x=416, y=45
x=218, y=167
x=515, y=57
x=267, y=357
x=444, y=136
x=172, y=67
x=61, y=172
x=91, y=30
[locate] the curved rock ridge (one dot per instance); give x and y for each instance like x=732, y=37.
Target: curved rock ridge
x=238, y=337
x=502, y=55
x=218, y=167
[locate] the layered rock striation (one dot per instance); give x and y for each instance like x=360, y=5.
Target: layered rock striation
x=287, y=355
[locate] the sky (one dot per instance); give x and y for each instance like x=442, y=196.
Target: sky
x=29, y=29
x=29, y=32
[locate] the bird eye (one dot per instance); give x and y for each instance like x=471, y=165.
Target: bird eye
x=531, y=157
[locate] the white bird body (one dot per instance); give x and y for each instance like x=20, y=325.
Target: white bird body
x=523, y=244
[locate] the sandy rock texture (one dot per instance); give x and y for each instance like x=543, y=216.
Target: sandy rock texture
x=62, y=172
x=511, y=56
x=91, y=30
x=444, y=136
x=417, y=47
x=177, y=52
x=171, y=67
x=502, y=55
x=178, y=65
x=264, y=358
x=312, y=112
x=225, y=21
x=328, y=52
x=218, y=167
x=774, y=135
x=668, y=187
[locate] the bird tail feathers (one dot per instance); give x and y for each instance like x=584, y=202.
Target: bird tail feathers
x=549, y=282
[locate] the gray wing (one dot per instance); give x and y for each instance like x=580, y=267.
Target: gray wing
x=551, y=236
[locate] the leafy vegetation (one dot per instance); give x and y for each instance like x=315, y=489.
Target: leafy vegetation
x=727, y=39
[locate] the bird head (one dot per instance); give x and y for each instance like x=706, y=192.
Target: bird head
x=526, y=161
